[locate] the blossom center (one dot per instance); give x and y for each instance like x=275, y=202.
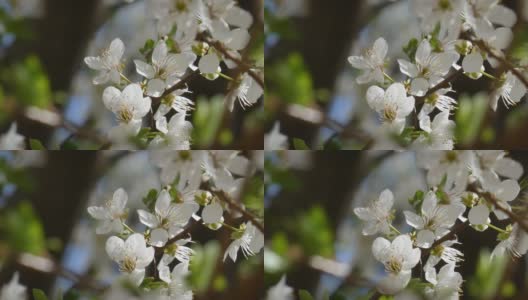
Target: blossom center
x=128, y=265
x=389, y=113
x=125, y=115
x=394, y=266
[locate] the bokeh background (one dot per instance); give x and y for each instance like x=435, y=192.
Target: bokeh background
x=42, y=47
x=44, y=223
x=314, y=238
x=311, y=88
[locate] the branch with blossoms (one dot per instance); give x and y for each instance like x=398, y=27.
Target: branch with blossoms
x=472, y=182
x=158, y=258
x=415, y=107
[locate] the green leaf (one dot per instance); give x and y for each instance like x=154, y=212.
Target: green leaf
x=291, y=81
x=299, y=144
x=150, y=199
x=305, y=295
x=417, y=200
x=39, y=295
x=469, y=117
x=23, y=229
x=411, y=48
x=203, y=265
x=207, y=120
x=35, y=144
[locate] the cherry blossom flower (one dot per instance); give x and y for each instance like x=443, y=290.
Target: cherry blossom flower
x=177, y=133
x=166, y=68
x=168, y=218
x=108, y=63
x=435, y=219
x=246, y=90
x=372, y=62
x=429, y=68
x=399, y=257
x=510, y=90
x=113, y=213
x=515, y=242
x=446, y=285
x=392, y=105
x=440, y=132
x=248, y=238
x=378, y=214
x=132, y=255
x=129, y=106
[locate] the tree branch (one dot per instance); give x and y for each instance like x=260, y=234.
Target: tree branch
x=247, y=215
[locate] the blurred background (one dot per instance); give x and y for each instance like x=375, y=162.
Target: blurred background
x=311, y=89
x=314, y=238
x=47, y=236
x=44, y=82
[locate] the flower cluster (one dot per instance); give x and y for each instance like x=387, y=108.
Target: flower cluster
x=459, y=36
x=192, y=37
x=199, y=188
x=464, y=188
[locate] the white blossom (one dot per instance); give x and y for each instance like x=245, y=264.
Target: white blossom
x=372, y=62
x=113, y=213
x=13, y=290
x=280, y=291
x=108, y=63
x=132, y=255
x=378, y=214
x=392, y=105
x=249, y=239
x=399, y=257
x=446, y=285
x=11, y=140
x=275, y=140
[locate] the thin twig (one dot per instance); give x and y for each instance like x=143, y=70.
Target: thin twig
x=243, y=65
x=509, y=66
x=247, y=215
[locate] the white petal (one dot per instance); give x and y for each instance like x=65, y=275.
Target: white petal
x=508, y=190
x=159, y=237
x=508, y=167
x=98, y=212
x=375, y=96
x=163, y=203
x=238, y=17
x=419, y=87
x=479, y=214
x=209, y=63
x=358, y=62
x=111, y=98
x=408, y=68
x=144, y=69
x=136, y=277
x=94, y=62
x=429, y=204
x=380, y=48
x=502, y=15
x=413, y=219
x=472, y=63
x=160, y=53
x=503, y=38
x=119, y=199
x=402, y=244
x=116, y=49
x=364, y=213
x=425, y=238
x=423, y=52
x=394, y=283
x=147, y=218
x=380, y=248
x=385, y=200
x=212, y=213
x=134, y=243
x=239, y=38
x=156, y=87
x=115, y=248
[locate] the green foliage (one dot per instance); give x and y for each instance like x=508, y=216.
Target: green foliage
x=39, y=295
x=35, y=144
x=150, y=283
x=207, y=120
x=305, y=295
x=417, y=200
x=485, y=282
x=147, y=48
x=254, y=195
x=284, y=177
x=150, y=199
x=28, y=82
x=291, y=80
x=411, y=48
x=313, y=231
x=23, y=229
x=19, y=177
x=333, y=143
x=469, y=117
x=299, y=144
x=203, y=265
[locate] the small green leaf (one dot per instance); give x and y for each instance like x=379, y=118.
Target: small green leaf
x=304, y=295
x=35, y=144
x=411, y=48
x=39, y=295
x=150, y=199
x=299, y=144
